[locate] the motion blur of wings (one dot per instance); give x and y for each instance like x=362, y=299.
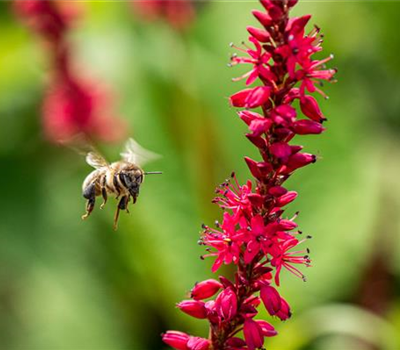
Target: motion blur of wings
x=136, y=154
x=95, y=160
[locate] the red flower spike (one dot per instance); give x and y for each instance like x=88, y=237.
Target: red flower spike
x=71, y=106
x=254, y=237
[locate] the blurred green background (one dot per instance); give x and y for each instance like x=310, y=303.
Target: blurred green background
x=73, y=285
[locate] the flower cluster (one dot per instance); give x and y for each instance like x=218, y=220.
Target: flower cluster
x=71, y=105
x=179, y=14
x=254, y=235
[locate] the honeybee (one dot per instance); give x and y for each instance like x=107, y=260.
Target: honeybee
x=122, y=178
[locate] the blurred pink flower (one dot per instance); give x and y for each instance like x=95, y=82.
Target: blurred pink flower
x=178, y=13
x=71, y=106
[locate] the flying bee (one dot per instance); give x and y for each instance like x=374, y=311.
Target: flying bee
x=122, y=178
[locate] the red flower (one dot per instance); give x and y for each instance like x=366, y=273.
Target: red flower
x=234, y=197
x=258, y=58
x=256, y=234
x=311, y=73
x=282, y=257
x=226, y=242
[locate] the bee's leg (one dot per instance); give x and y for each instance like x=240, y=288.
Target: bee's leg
x=116, y=186
x=128, y=199
x=122, y=205
x=104, y=195
x=90, y=194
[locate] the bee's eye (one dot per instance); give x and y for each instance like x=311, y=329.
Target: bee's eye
x=132, y=177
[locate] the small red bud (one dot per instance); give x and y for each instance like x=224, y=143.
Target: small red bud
x=267, y=329
x=175, y=339
x=271, y=299
x=260, y=34
x=197, y=343
x=306, y=127
x=253, y=334
x=277, y=191
x=226, y=304
x=262, y=17
x=193, y=308
x=309, y=106
x=205, y=289
x=286, y=199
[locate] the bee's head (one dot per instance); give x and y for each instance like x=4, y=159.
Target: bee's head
x=131, y=179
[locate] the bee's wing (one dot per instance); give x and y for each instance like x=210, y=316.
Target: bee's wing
x=85, y=147
x=95, y=160
x=136, y=154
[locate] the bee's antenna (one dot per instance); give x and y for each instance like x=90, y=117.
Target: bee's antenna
x=153, y=173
